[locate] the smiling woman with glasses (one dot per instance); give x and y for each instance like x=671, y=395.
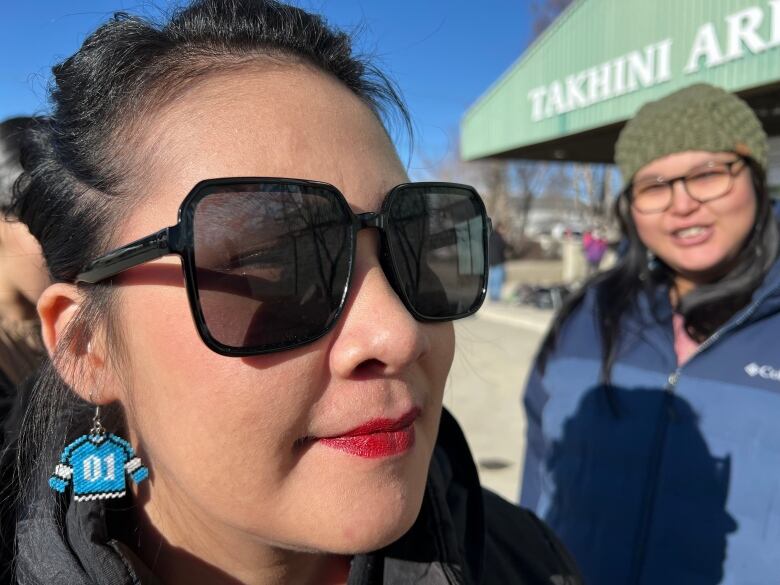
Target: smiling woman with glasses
x=250, y=328
x=652, y=407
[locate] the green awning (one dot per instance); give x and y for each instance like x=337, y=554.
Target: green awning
x=568, y=96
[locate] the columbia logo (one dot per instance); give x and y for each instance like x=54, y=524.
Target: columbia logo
x=766, y=372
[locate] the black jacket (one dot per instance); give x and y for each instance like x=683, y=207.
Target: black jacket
x=464, y=535
x=13, y=404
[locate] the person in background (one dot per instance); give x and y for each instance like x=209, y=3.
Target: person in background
x=594, y=245
x=653, y=447
x=249, y=332
x=496, y=258
x=23, y=275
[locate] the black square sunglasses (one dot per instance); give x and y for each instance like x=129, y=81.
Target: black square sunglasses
x=268, y=262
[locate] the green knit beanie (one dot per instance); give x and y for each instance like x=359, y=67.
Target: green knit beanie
x=699, y=117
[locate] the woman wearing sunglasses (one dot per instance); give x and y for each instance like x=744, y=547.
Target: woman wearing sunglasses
x=250, y=327
x=653, y=408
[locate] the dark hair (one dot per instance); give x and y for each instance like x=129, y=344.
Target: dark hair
x=11, y=133
x=704, y=309
x=76, y=186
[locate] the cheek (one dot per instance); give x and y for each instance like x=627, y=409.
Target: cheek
x=738, y=214
x=648, y=228
x=202, y=417
x=439, y=362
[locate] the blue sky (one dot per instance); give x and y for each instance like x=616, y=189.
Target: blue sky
x=442, y=53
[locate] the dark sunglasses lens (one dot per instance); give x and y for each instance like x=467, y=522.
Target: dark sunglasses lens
x=437, y=239
x=271, y=262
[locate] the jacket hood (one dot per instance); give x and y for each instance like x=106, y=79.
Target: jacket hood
x=653, y=307
x=767, y=296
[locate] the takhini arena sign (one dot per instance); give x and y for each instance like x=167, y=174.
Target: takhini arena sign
x=651, y=65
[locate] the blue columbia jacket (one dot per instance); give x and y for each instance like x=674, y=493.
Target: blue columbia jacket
x=671, y=475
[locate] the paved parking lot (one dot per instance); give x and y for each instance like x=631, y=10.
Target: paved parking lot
x=493, y=353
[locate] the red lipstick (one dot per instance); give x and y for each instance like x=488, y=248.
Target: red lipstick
x=381, y=437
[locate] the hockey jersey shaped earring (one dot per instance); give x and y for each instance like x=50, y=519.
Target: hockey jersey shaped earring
x=96, y=465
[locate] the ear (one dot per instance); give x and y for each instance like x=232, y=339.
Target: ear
x=77, y=351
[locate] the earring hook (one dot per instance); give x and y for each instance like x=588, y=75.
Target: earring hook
x=97, y=427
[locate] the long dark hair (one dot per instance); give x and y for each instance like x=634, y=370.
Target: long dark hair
x=78, y=162
x=704, y=309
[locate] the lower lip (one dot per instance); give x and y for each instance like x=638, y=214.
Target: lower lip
x=696, y=240
x=374, y=445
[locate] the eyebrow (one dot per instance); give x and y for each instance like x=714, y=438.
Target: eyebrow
x=651, y=176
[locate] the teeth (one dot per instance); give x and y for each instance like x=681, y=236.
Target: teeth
x=689, y=232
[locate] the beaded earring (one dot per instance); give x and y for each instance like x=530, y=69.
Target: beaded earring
x=96, y=465
x=653, y=263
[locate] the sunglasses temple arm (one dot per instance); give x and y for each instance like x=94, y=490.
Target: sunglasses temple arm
x=133, y=254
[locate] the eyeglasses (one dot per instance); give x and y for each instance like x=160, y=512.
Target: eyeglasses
x=268, y=262
x=704, y=183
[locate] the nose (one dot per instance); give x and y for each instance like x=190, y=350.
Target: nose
x=682, y=202
x=376, y=334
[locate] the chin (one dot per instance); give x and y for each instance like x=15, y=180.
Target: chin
x=375, y=529
x=700, y=266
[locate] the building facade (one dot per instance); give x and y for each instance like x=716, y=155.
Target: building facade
x=570, y=93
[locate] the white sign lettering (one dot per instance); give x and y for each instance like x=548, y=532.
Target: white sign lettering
x=652, y=65
x=743, y=32
x=706, y=45
x=625, y=74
